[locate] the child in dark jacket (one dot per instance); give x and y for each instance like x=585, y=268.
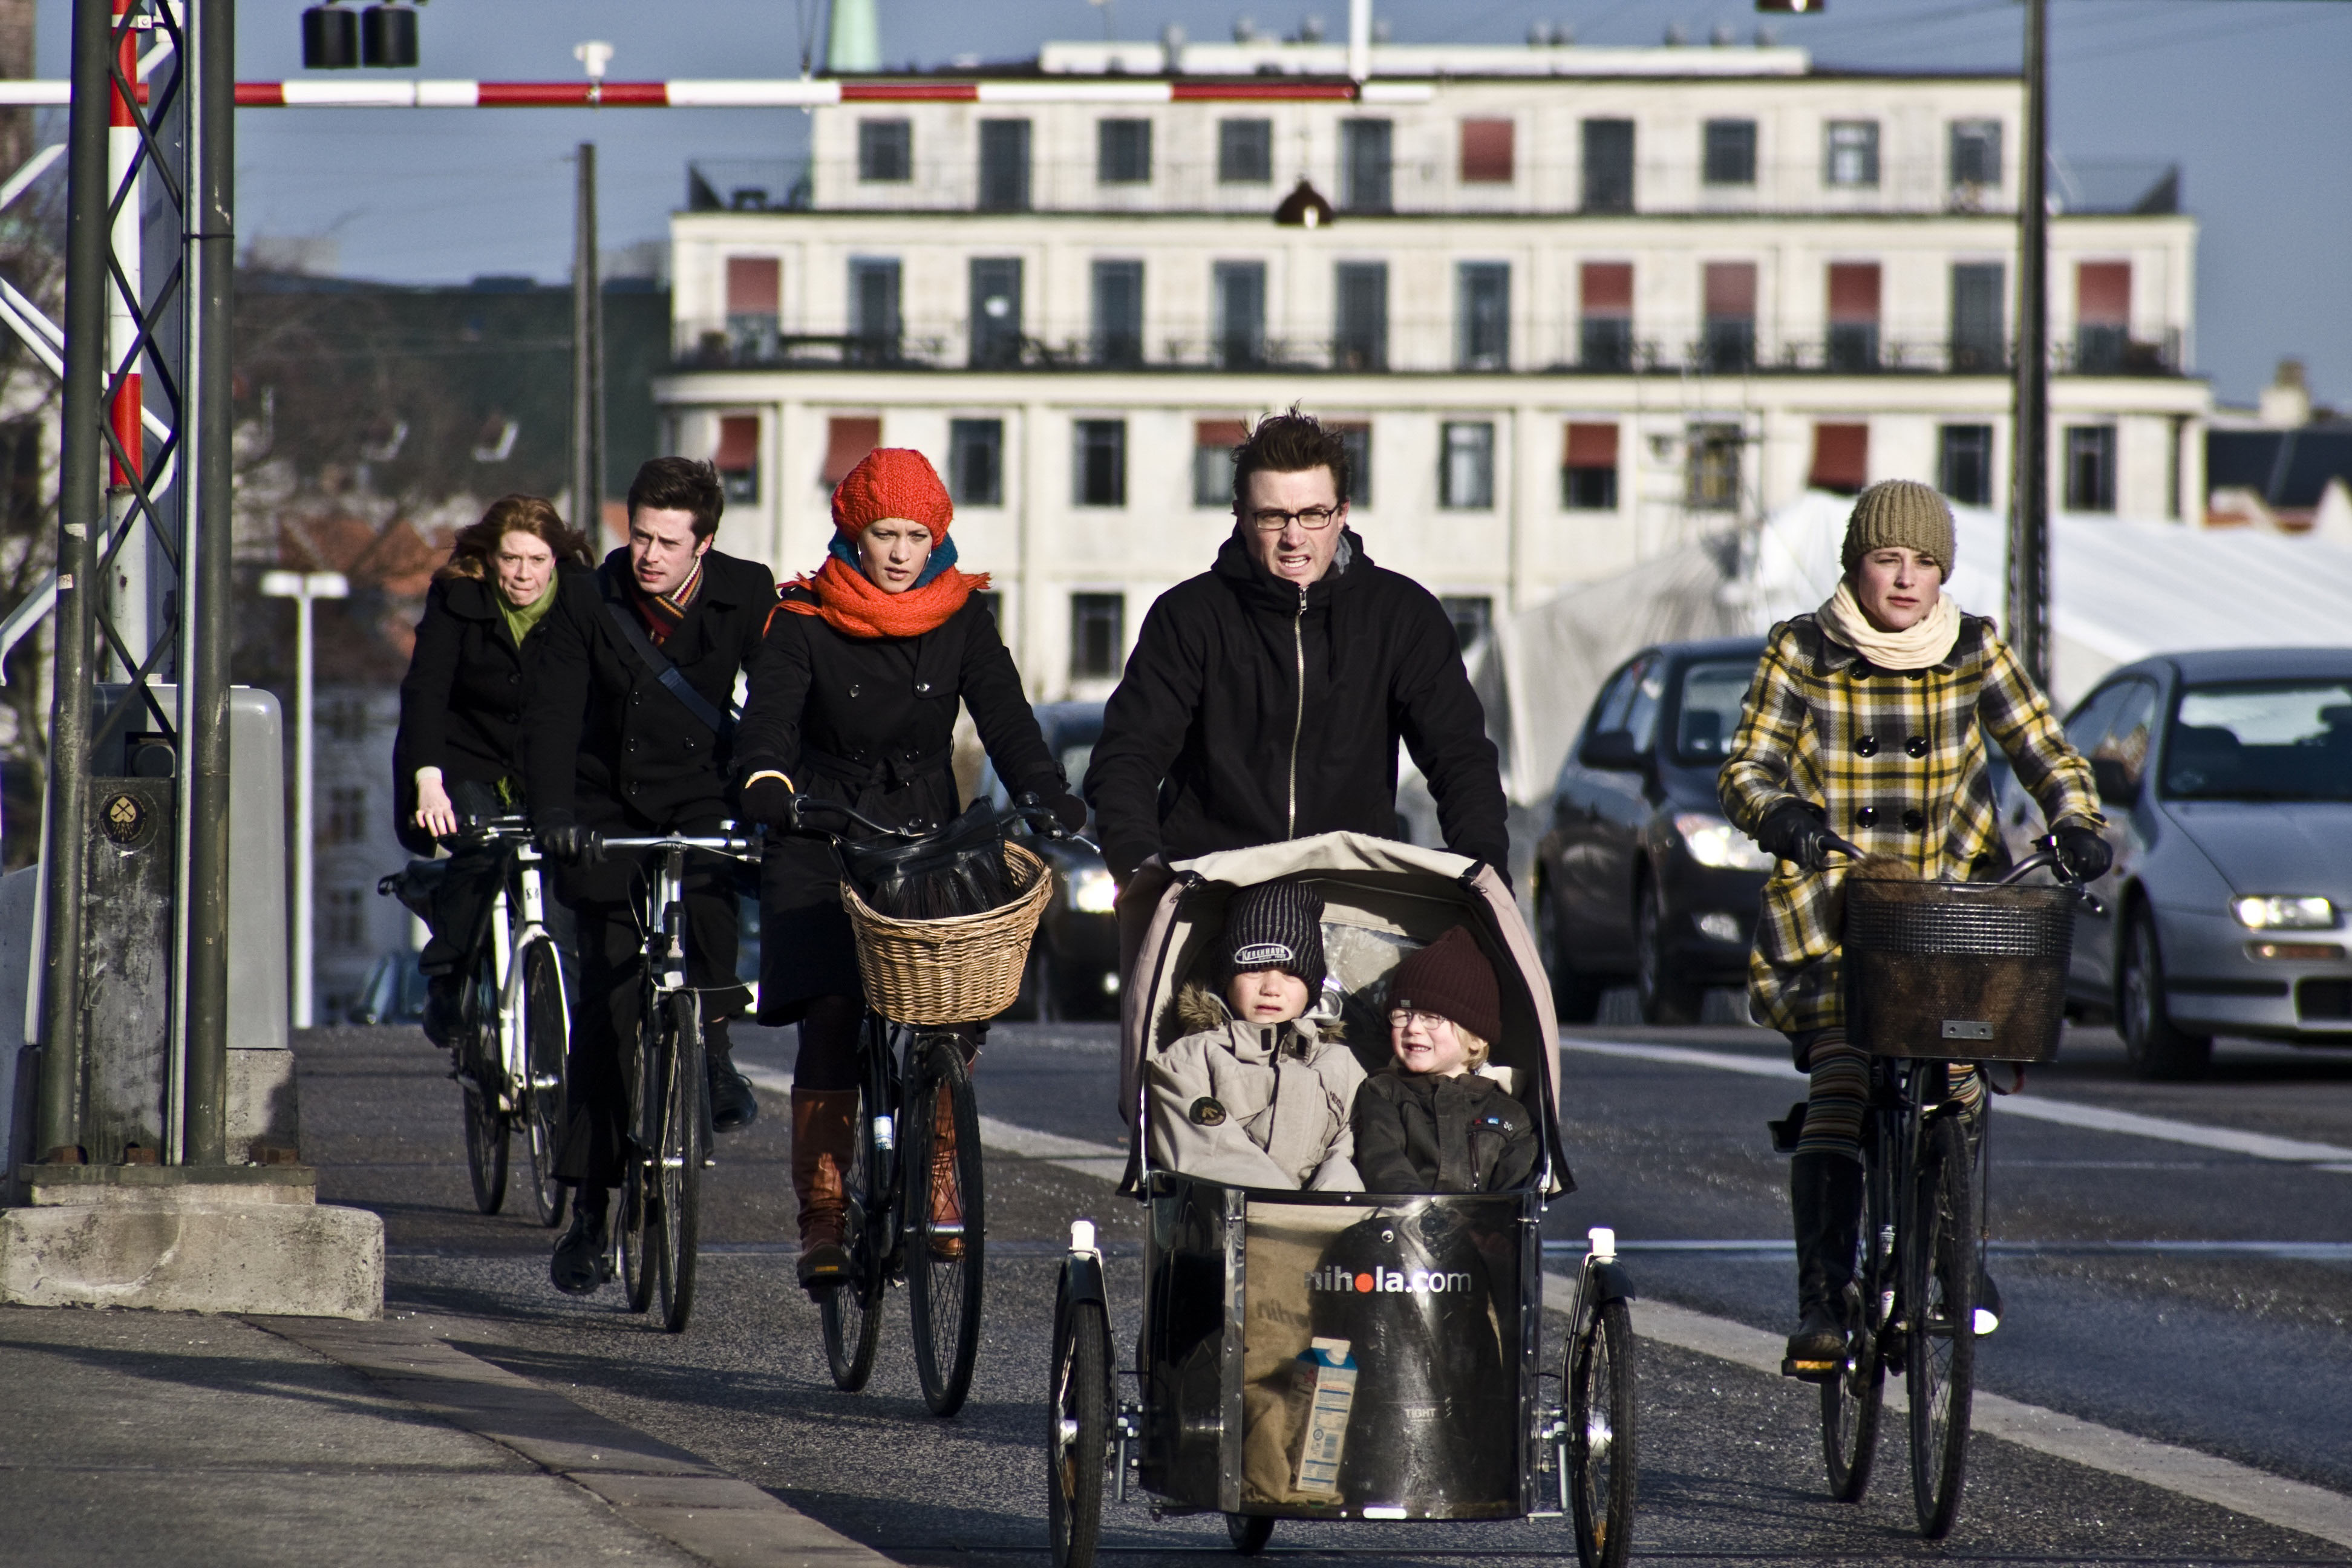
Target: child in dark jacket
x=1432, y=1122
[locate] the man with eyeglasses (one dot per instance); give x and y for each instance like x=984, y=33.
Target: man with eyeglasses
x=1265, y=698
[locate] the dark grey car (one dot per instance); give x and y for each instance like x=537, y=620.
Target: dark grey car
x=1074, y=960
x=1638, y=875
x=2227, y=783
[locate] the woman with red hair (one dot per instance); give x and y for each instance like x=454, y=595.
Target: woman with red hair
x=852, y=698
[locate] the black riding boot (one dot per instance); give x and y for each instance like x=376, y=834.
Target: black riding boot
x=580, y=1262
x=733, y=1106
x=1825, y=1199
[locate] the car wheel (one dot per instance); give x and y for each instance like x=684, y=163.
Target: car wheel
x=1576, y=997
x=1666, y=997
x=2155, y=1046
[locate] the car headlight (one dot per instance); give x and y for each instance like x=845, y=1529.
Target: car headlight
x=1093, y=892
x=1715, y=842
x=2277, y=913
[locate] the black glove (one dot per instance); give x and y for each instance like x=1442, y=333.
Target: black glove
x=769, y=802
x=561, y=835
x=1067, y=808
x=1795, y=830
x=2085, y=852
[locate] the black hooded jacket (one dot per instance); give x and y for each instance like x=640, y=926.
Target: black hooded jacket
x=1253, y=710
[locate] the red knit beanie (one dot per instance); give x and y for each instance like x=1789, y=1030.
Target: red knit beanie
x=892, y=481
x=1451, y=978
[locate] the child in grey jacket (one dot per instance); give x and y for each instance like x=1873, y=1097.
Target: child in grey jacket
x=1254, y=1094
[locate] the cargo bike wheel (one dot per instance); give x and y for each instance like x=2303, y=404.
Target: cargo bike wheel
x=850, y=1314
x=1601, y=1447
x=1940, y=1347
x=945, y=1223
x=1078, y=1435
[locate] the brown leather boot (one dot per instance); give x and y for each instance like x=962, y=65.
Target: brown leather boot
x=824, y=1138
x=947, y=1196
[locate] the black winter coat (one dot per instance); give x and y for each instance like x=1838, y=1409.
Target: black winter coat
x=609, y=741
x=869, y=722
x=1211, y=742
x=1418, y=1132
x=464, y=700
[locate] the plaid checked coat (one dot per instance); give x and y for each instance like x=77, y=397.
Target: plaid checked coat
x=1896, y=758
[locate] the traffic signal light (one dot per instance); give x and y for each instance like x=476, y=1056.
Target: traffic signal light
x=336, y=39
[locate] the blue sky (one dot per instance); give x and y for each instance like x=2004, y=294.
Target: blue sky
x=2246, y=95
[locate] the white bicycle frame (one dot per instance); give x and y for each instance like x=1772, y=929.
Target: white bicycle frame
x=510, y=941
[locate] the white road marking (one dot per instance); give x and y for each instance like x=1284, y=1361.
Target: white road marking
x=1104, y=1160
x=2333, y=1157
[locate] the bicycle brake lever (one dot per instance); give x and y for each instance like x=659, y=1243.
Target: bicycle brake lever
x=2092, y=902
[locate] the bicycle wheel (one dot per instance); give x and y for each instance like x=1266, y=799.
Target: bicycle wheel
x=546, y=1033
x=1851, y=1404
x=944, y=1226
x=640, y=1219
x=850, y=1313
x=486, y=1124
x=633, y=1225
x=1078, y=1435
x=1600, y=1448
x=678, y=1170
x=1941, y=1350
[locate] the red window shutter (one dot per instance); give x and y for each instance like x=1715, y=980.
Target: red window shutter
x=739, y=444
x=2103, y=293
x=1486, y=146
x=1593, y=445
x=847, y=439
x=1840, y=457
x=1607, y=287
x=1854, y=292
x=1227, y=433
x=1731, y=289
x=754, y=285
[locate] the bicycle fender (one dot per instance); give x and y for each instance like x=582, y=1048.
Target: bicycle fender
x=1081, y=1280
x=1611, y=1282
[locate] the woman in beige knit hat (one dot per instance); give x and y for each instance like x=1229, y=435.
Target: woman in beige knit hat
x=1868, y=721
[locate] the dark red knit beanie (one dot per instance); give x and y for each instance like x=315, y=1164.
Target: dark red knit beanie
x=1451, y=978
x=892, y=481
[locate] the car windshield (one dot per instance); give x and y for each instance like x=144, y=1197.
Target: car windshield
x=1711, y=692
x=2273, y=740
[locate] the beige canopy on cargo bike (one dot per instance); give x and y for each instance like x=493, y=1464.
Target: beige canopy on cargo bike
x=1382, y=900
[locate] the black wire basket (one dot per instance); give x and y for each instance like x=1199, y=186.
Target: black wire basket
x=1960, y=971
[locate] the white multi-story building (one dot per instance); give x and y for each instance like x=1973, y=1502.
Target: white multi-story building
x=1574, y=306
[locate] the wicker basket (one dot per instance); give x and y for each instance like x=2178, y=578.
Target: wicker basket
x=957, y=970
x=1960, y=971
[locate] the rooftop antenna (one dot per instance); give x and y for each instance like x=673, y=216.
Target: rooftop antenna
x=1360, y=39
x=1106, y=7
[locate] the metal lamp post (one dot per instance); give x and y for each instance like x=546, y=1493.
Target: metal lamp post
x=302, y=587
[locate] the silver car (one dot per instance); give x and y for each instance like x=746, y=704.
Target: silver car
x=2227, y=778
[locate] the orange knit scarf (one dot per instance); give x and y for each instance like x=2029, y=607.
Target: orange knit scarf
x=855, y=607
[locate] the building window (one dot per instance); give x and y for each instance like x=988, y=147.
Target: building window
x=755, y=284
x=1123, y=151
x=2089, y=467
x=1608, y=165
x=1711, y=467
x=2102, y=316
x=345, y=720
x=1214, y=441
x=1486, y=151
x=976, y=462
x=1975, y=156
x=1730, y=153
x=996, y=282
x=1465, y=466
x=886, y=150
x=1482, y=316
x=1964, y=463
x=1473, y=616
x=1365, y=165
x=1979, y=306
x=1118, y=312
x=1730, y=341
x=1357, y=439
x=1360, y=332
x=874, y=323
x=1099, y=452
x=1840, y=458
x=1241, y=313
x=847, y=439
x=346, y=818
x=1098, y=636
x=1854, y=316
x=1605, y=318
x=1244, y=152
x=1004, y=165
x=737, y=457
x=1587, y=473
x=342, y=922
x=1849, y=154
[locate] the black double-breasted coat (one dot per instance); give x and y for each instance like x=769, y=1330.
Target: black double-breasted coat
x=868, y=721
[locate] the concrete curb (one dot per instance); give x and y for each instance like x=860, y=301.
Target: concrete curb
x=662, y=1490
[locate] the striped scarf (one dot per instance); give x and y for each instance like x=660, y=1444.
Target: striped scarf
x=663, y=611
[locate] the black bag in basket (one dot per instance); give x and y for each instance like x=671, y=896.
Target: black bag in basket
x=959, y=870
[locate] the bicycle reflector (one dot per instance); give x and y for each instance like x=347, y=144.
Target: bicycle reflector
x=388, y=35
x=1793, y=7
x=331, y=38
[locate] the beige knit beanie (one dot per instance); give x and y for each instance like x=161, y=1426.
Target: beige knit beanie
x=1900, y=512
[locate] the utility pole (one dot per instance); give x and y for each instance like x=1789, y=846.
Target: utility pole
x=303, y=588
x=587, y=362
x=2029, y=517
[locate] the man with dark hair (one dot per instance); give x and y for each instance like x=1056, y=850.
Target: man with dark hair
x=1265, y=698
x=632, y=737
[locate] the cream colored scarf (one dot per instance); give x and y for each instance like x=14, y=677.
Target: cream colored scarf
x=1925, y=642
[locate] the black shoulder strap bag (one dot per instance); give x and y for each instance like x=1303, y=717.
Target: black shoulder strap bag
x=673, y=680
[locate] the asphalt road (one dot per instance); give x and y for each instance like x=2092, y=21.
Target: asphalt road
x=2121, y=1308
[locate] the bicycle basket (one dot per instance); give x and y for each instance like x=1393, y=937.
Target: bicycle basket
x=1962, y=971
x=956, y=970
x=958, y=871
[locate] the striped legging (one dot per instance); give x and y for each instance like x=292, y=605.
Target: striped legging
x=1840, y=1092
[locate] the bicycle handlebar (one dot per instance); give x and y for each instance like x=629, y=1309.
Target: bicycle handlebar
x=1041, y=817
x=2045, y=857
x=735, y=846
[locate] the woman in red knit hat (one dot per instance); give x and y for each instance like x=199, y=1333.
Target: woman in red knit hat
x=852, y=698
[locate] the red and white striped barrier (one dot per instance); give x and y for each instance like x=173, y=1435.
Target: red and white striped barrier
x=344, y=92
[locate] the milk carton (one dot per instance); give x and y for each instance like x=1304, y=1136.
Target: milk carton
x=1328, y=1373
